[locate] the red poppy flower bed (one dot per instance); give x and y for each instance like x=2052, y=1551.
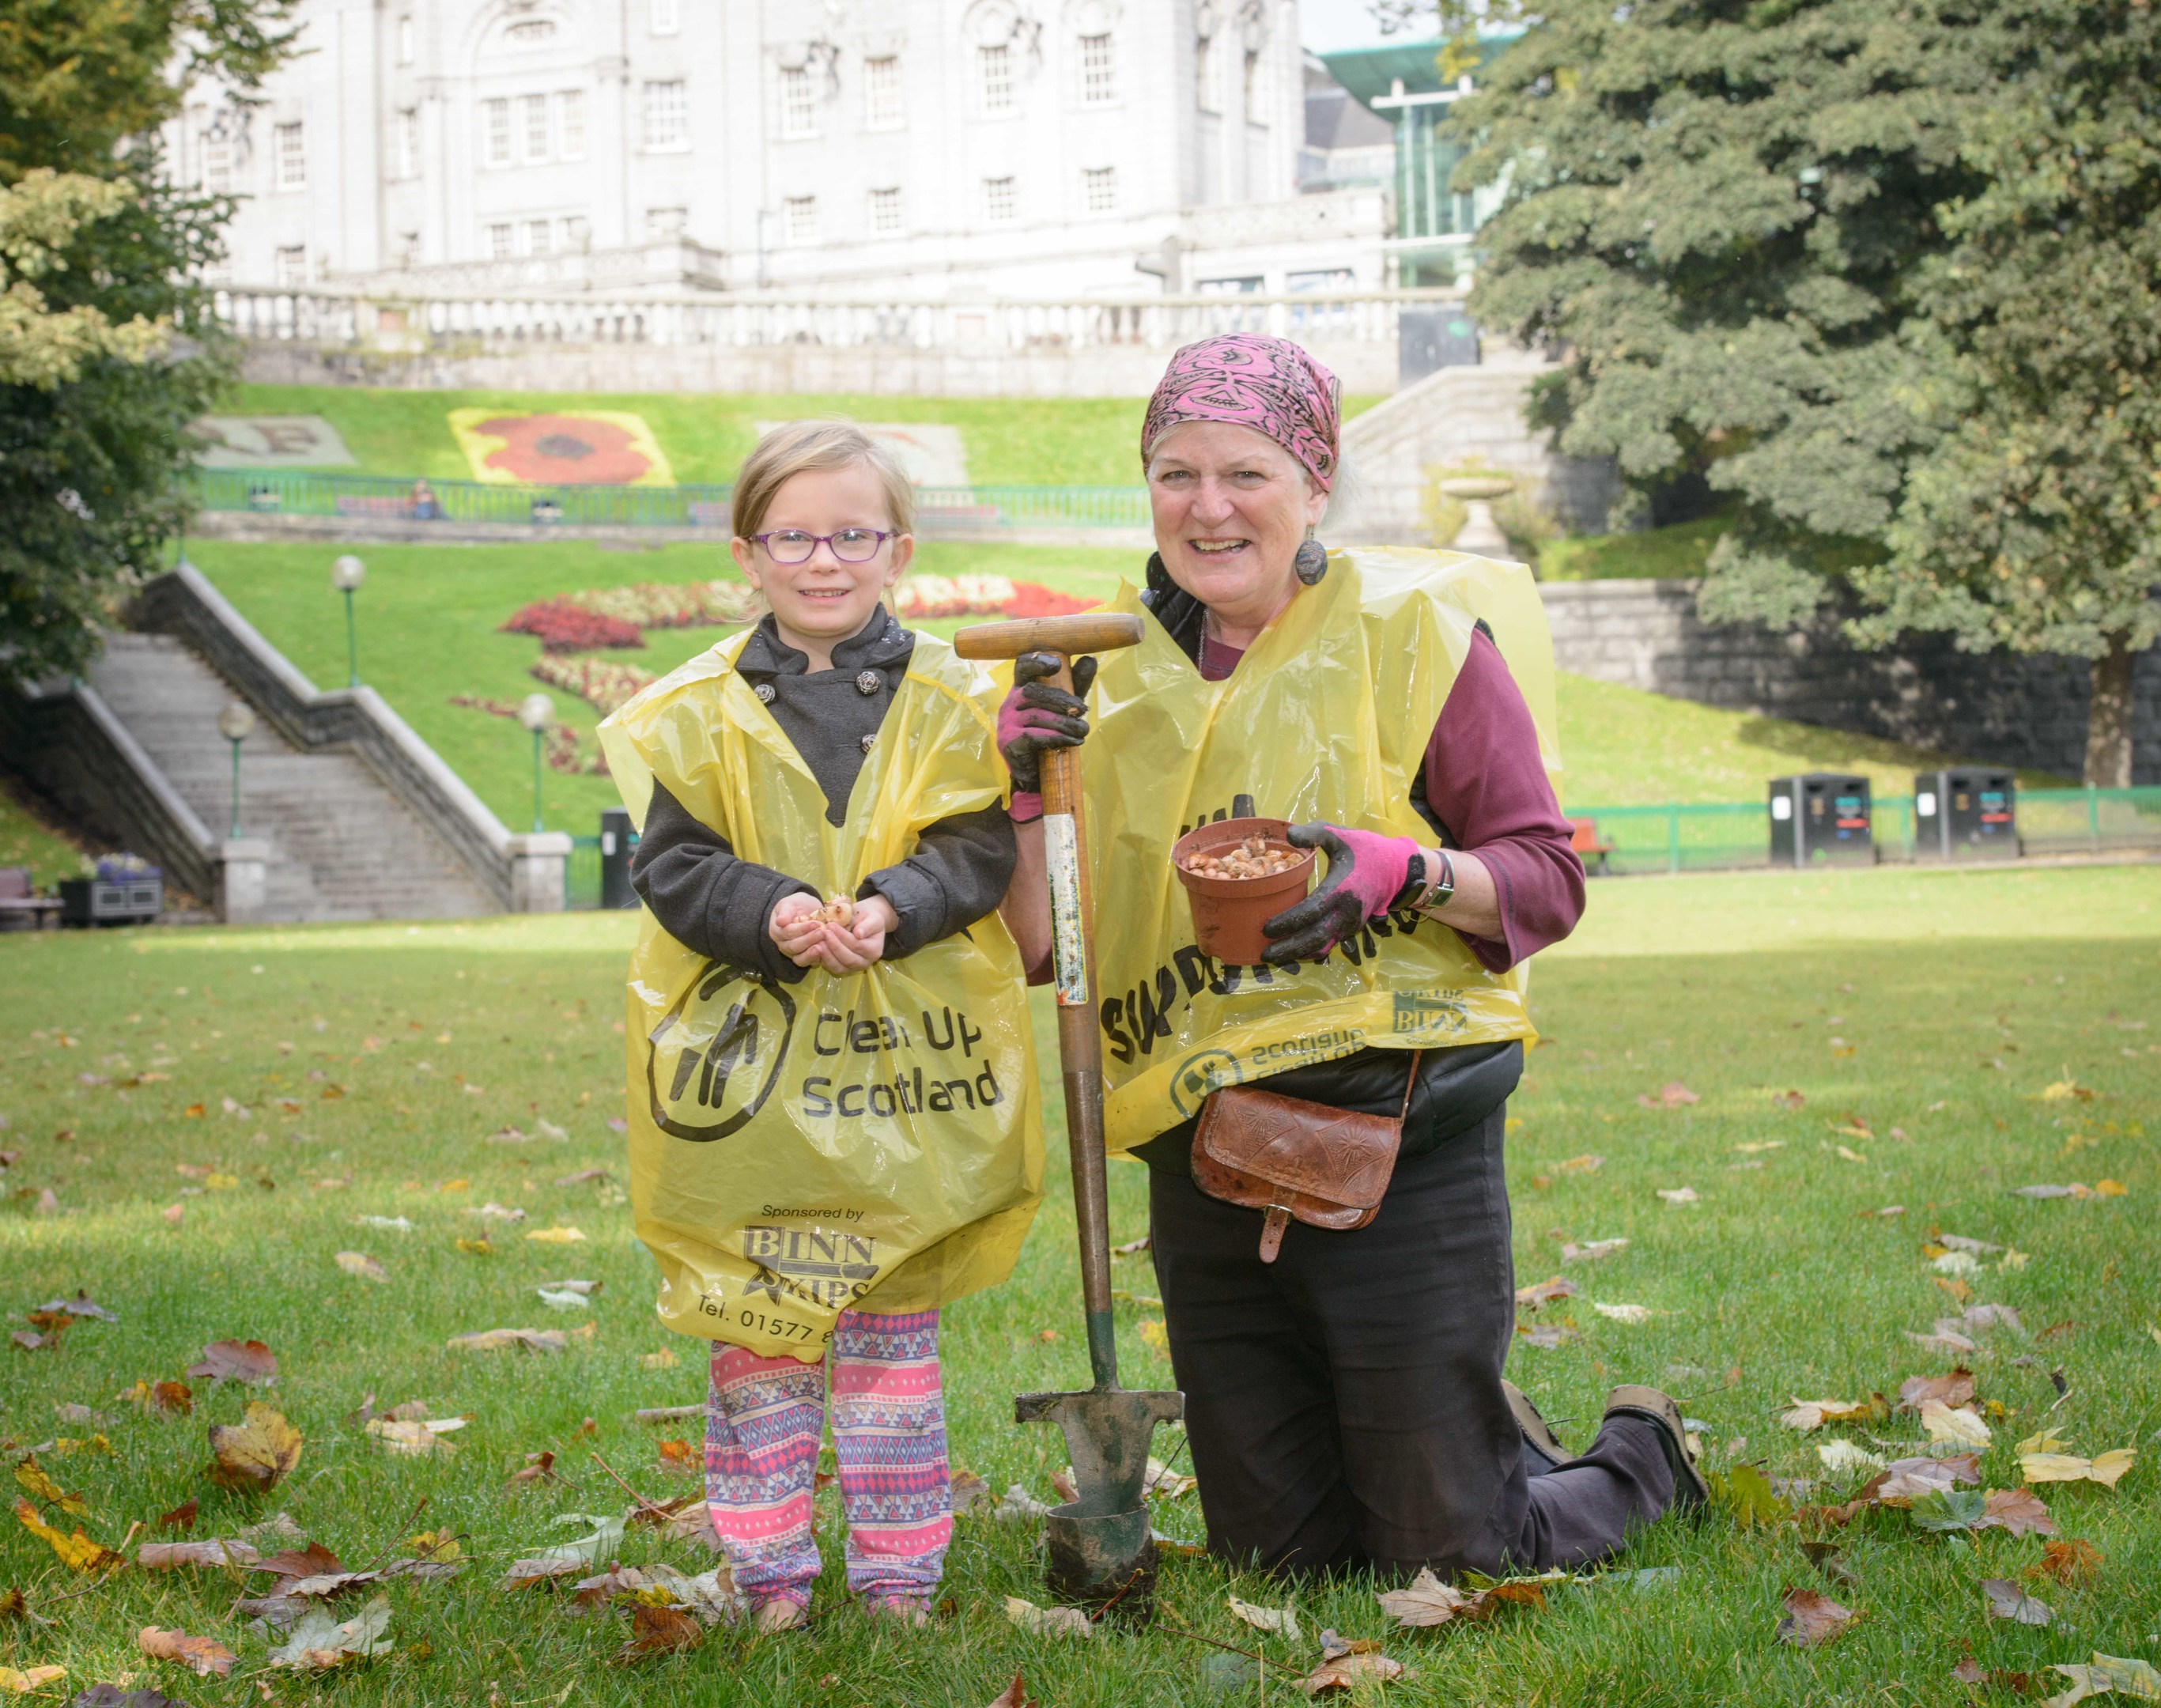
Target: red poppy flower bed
x=564, y=627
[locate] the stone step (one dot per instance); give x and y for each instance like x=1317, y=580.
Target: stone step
x=343, y=847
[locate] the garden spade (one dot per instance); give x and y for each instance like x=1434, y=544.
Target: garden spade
x=1101, y=1552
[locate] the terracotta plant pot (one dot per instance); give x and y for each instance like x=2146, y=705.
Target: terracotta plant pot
x=1228, y=913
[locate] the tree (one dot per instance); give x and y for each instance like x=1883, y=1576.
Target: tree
x=1713, y=214
x=2033, y=518
x=1799, y=250
x=107, y=347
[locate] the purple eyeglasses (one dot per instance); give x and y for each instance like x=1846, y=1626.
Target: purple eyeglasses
x=850, y=545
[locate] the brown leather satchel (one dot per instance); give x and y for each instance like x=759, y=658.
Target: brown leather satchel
x=1327, y=1166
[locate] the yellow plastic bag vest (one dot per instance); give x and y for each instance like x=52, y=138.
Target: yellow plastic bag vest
x=872, y=1141
x=1326, y=717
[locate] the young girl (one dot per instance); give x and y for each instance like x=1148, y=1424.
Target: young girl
x=832, y=1124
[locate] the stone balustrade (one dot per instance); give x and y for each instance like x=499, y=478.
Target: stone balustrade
x=345, y=316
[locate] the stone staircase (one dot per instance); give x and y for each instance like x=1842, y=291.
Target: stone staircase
x=343, y=846
x=1454, y=416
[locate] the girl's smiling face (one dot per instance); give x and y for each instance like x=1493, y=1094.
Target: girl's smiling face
x=824, y=599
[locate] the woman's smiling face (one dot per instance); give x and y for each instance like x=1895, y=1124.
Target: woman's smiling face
x=1230, y=506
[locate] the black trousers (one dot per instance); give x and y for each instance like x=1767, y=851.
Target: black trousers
x=1343, y=1403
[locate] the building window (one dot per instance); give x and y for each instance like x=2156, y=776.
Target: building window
x=1204, y=76
x=408, y=141
x=1099, y=77
x=1257, y=89
x=408, y=249
x=664, y=17
x=885, y=211
x=665, y=224
x=540, y=236
x=292, y=158
x=577, y=234
x=1098, y=189
x=293, y=265
x=799, y=103
x=533, y=128
x=667, y=115
x=405, y=41
x=495, y=133
x=570, y=120
x=798, y=219
x=882, y=94
x=994, y=77
x=498, y=241
x=217, y=162
x=529, y=30
x=999, y=200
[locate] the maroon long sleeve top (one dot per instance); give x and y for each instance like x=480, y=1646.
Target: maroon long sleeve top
x=1486, y=786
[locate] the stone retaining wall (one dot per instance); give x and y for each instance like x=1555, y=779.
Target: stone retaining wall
x=1999, y=707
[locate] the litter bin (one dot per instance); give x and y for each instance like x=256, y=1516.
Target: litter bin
x=1965, y=812
x=617, y=840
x=127, y=898
x=1821, y=818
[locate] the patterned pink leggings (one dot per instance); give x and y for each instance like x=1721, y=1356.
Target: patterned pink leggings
x=763, y=1422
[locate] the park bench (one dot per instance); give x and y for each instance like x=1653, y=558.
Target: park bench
x=1584, y=839
x=22, y=908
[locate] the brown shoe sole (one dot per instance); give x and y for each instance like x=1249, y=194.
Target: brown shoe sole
x=1655, y=1406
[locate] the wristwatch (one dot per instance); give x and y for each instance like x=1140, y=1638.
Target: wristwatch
x=1427, y=890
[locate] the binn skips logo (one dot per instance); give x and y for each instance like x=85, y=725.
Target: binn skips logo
x=712, y=1062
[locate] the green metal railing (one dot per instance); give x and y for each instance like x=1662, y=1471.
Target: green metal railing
x=1728, y=836
x=941, y=509
x=1734, y=836
x=581, y=873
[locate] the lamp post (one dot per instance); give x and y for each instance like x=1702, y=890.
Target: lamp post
x=536, y=711
x=236, y=723
x=347, y=574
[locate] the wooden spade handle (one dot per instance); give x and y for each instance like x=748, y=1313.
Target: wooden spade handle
x=1088, y=632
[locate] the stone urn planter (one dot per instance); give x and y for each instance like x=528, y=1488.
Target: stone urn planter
x=1479, y=532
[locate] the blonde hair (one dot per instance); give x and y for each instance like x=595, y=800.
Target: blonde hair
x=800, y=447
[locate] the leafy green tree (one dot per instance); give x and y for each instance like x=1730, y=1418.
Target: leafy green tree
x=107, y=347
x=2033, y=518
x=1714, y=214
x=1835, y=259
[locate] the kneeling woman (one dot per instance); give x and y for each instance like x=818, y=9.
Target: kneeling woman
x=1344, y=1395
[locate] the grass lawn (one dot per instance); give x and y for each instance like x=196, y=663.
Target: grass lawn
x=1960, y=997
x=1011, y=441
x=1651, y=554
x=26, y=839
x=428, y=617
x=1621, y=747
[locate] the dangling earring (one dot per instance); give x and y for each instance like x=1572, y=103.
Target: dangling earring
x=1310, y=561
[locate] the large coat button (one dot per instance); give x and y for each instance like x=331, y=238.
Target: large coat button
x=766, y=692
x=868, y=742
x=869, y=682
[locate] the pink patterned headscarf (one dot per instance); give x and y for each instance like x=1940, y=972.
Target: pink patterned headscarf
x=1268, y=384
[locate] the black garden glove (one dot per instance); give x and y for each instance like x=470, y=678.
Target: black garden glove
x=1038, y=715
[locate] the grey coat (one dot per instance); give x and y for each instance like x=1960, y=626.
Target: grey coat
x=717, y=905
